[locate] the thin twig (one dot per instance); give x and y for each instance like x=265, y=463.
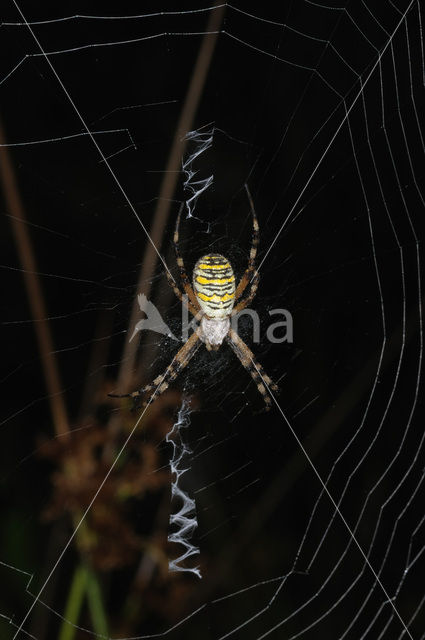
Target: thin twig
x=35, y=295
x=169, y=182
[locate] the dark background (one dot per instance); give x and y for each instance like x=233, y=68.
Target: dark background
x=346, y=265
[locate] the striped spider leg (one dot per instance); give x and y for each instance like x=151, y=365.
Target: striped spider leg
x=181, y=359
x=244, y=302
x=195, y=312
x=242, y=351
x=251, y=364
x=192, y=299
x=162, y=382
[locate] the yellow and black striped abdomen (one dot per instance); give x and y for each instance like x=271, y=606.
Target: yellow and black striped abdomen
x=214, y=285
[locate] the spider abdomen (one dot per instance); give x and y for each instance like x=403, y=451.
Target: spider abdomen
x=214, y=285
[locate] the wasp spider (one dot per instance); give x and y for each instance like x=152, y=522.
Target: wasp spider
x=213, y=299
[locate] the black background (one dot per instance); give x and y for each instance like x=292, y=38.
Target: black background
x=345, y=265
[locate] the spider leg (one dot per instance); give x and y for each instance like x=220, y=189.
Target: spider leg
x=247, y=276
x=161, y=382
x=251, y=364
x=184, y=277
x=179, y=294
x=242, y=304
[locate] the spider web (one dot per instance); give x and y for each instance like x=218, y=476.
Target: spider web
x=310, y=517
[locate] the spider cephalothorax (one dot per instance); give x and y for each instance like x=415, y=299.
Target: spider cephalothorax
x=213, y=299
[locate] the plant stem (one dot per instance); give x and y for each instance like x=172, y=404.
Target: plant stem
x=74, y=603
x=84, y=583
x=95, y=601
x=18, y=221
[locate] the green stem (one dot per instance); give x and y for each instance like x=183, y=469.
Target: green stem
x=74, y=602
x=84, y=583
x=95, y=602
